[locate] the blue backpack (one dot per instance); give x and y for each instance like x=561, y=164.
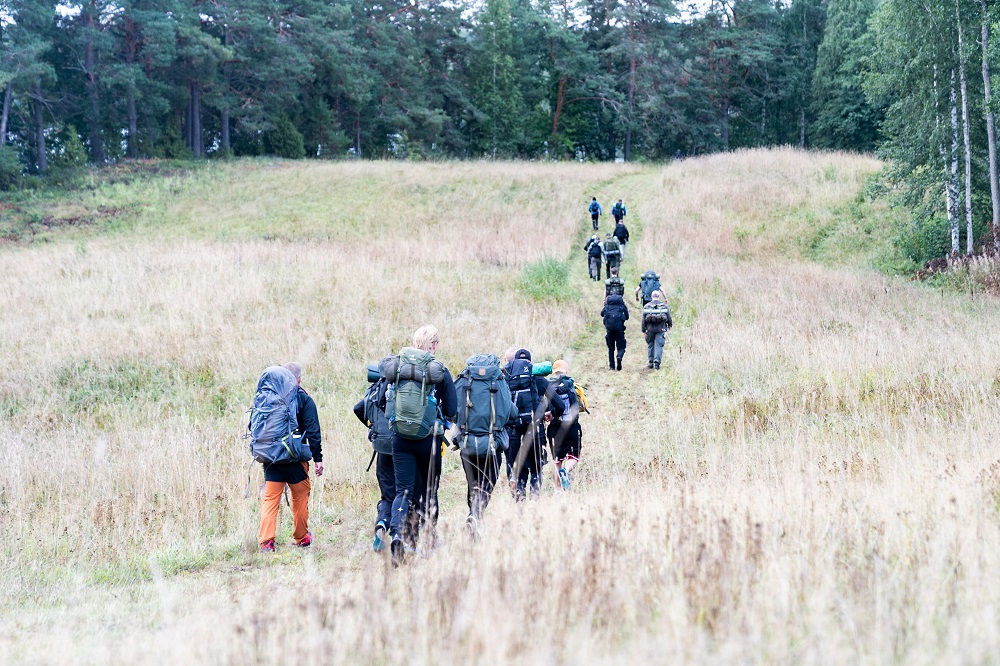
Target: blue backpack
x=379, y=432
x=484, y=406
x=273, y=420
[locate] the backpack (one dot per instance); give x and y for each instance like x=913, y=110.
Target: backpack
x=656, y=314
x=484, y=406
x=614, y=285
x=649, y=283
x=617, y=210
x=566, y=394
x=612, y=247
x=410, y=403
x=522, y=390
x=273, y=420
x=379, y=432
x=594, y=207
x=594, y=251
x=614, y=314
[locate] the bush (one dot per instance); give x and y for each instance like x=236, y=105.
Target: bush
x=285, y=140
x=67, y=149
x=545, y=279
x=11, y=169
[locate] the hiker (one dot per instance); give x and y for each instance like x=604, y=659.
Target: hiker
x=564, y=433
x=535, y=403
x=612, y=252
x=595, y=212
x=485, y=410
x=594, y=254
x=293, y=474
x=648, y=283
x=615, y=315
x=380, y=435
x=621, y=233
x=656, y=323
x=420, y=394
x=614, y=285
x=618, y=211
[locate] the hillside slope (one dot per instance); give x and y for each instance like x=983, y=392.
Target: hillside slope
x=811, y=477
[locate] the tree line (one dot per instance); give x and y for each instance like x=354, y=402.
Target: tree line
x=105, y=80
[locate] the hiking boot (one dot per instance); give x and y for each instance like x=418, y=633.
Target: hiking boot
x=306, y=540
x=619, y=363
x=378, y=544
x=267, y=546
x=650, y=366
x=564, y=479
x=611, y=365
x=397, y=550
x=656, y=366
x=472, y=523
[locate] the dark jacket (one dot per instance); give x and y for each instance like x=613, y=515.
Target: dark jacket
x=308, y=419
x=545, y=393
x=656, y=318
x=621, y=233
x=615, y=305
x=594, y=249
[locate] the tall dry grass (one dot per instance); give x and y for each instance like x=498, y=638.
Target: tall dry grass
x=812, y=477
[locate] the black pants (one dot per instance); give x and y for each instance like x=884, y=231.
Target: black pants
x=593, y=219
x=385, y=472
x=613, y=262
x=615, y=339
x=418, y=466
x=481, y=474
x=530, y=455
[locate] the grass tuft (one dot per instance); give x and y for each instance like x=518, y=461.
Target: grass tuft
x=547, y=280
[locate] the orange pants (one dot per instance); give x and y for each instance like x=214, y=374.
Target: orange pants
x=272, y=502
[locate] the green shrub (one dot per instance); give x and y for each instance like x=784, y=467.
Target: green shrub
x=285, y=140
x=11, y=169
x=547, y=279
x=67, y=149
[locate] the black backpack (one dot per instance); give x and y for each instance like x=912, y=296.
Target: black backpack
x=614, y=285
x=566, y=394
x=614, y=314
x=522, y=390
x=649, y=283
x=379, y=432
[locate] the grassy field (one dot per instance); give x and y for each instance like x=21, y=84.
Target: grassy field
x=812, y=478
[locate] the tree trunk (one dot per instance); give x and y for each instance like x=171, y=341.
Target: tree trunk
x=802, y=128
x=133, y=125
x=6, y=115
x=560, y=98
x=991, y=129
x=188, y=122
x=953, y=178
x=41, y=161
x=724, y=123
x=969, y=235
x=198, y=146
x=225, y=130
x=96, y=143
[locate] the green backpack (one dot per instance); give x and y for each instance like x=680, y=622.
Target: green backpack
x=410, y=404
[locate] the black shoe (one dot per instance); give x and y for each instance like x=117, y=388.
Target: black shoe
x=611, y=366
x=619, y=365
x=656, y=366
x=396, y=548
x=650, y=366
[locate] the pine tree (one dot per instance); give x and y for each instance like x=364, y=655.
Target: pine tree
x=496, y=93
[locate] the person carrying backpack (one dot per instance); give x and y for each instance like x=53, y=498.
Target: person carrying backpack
x=621, y=233
x=612, y=252
x=614, y=285
x=656, y=323
x=615, y=315
x=594, y=254
x=380, y=435
x=648, y=283
x=535, y=404
x=595, y=212
x=282, y=407
x=419, y=395
x=618, y=211
x=564, y=433
x=485, y=409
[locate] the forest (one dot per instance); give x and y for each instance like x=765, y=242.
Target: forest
x=593, y=80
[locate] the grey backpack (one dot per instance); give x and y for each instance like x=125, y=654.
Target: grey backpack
x=484, y=405
x=273, y=423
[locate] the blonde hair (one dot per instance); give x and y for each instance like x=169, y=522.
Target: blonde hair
x=425, y=337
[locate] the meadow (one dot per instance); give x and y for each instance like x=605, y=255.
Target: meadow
x=812, y=477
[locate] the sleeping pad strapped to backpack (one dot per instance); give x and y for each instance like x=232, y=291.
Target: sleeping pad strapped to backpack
x=410, y=404
x=484, y=406
x=272, y=426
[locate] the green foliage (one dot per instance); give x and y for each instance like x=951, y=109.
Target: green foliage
x=11, y=169
x=547, y=279
x=67, y=150
x=284, y=140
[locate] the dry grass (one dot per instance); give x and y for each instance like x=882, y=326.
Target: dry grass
x=813, y=476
